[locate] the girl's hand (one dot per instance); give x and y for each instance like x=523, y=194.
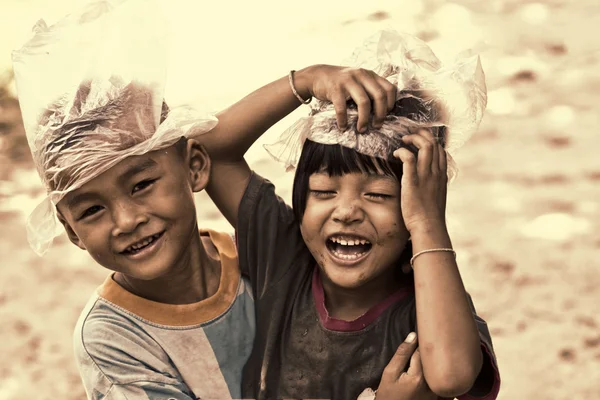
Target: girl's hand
x=370, y=92
x=424, y=182
x=399, y=385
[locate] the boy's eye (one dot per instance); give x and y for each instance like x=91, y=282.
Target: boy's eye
x=322, y=193
x=90, y=211
x=143, y=185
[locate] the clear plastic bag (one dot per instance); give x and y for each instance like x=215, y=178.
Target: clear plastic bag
x=450, y=100
x=91, y=91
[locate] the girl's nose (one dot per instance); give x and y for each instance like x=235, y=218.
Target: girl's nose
x=348, y=212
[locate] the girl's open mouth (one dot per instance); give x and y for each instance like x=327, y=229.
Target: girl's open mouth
x=348, y=249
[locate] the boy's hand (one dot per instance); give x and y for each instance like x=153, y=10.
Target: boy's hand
x=424, y=182
x=370, y=92
x=399, y=385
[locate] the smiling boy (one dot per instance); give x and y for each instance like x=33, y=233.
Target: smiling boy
x=137, y=214
x=175, y=318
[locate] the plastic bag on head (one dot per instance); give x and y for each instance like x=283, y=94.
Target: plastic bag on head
x=450, y=100
x=91, y=90
x=102, y=40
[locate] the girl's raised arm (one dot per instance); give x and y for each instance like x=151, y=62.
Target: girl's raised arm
x=244, y=122
x=448, y=335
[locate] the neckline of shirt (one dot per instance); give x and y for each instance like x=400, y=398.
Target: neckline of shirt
x=184, y=314
x=361, y=322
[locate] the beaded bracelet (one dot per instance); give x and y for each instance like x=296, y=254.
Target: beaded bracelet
x=291, y=79
x=430, y=251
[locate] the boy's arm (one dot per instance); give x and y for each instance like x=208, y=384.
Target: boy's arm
x=243, y=123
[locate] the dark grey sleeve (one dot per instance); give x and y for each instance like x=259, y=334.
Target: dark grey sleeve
x=487, y=384
x=267, y=235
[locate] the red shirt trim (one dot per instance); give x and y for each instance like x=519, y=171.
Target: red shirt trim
x=361, y=322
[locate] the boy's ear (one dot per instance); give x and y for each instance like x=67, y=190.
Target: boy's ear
x=199, y=164
x=70, y=232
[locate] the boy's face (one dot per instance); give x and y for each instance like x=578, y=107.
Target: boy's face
x=353, y=227
x=138, y=218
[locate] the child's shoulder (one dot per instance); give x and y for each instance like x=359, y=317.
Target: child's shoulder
x=112, y=348
x=104, y=328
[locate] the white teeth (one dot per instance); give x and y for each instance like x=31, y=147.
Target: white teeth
x=348, y=256
x=144, y=243
x=345, y=242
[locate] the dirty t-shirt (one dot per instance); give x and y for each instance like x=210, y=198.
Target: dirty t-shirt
x=128, y=347
x=299, y=350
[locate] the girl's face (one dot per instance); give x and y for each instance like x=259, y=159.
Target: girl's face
x=353, y=226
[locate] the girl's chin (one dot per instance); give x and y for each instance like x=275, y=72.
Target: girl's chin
x=345, y=279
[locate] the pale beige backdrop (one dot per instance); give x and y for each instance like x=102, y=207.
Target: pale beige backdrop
x=524, y=213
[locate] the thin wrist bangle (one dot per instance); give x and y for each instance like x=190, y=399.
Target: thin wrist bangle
x=430, y=251
x=291, y=79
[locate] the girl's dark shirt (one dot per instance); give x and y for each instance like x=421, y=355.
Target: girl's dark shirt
x=299, y=351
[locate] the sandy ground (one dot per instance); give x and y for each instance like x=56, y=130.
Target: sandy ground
x=524, y=212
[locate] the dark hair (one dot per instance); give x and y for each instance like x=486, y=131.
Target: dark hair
x=337, y=160
x=334, y=160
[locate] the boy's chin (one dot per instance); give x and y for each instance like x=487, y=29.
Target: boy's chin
x=145, y=275
x=144, y=271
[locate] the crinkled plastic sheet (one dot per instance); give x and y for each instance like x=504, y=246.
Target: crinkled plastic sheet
x=91, y=92
x=450, y=100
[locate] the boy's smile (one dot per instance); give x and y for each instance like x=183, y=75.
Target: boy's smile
x=353, y=227
x=145, y=247
x=138, y=218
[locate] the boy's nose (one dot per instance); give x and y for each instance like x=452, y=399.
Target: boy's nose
x=126, y=219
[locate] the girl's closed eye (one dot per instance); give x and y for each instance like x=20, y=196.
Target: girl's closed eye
x=143, y=185
x=90, y=211
x=378, y=196
x=322, y=193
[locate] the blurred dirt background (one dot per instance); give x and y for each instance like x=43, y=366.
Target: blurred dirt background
x=524, y=212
